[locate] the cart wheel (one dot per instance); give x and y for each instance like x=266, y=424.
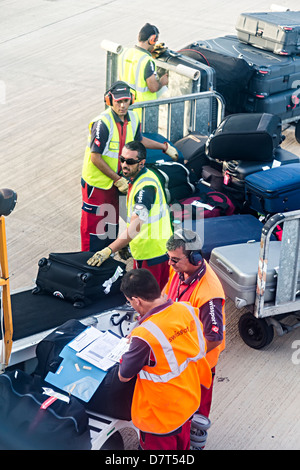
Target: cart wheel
x=297, y=131
x=255, y=332
x=115, y=442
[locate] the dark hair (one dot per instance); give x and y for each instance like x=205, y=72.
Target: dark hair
x=186, y=239
x=147, y=31
x=140, y=283
x=136, y=146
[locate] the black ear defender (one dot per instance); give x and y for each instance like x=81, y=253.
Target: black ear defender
x=194, y=256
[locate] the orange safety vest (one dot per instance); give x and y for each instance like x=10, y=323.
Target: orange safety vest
x=167, y=394
x=209, y=287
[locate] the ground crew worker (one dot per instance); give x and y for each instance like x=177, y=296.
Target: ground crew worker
x=167, y=353
x=101, y=181
x=148, y=217
x=137, y=68
x=192, y=280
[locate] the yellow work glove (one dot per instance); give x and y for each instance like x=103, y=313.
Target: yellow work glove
x=158, y=50
x=122, y=185
x=125, y=253
x=99, y=257
x=171, y=151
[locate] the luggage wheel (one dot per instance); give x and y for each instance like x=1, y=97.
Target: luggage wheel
x=255, y=332
x=297, y=131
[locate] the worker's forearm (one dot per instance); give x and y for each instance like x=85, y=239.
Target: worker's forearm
x=127, y=235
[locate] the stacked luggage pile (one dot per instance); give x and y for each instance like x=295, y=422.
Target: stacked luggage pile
x=259, y=69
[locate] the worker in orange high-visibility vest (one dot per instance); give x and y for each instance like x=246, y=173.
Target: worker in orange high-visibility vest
x=192, y=280
x=167, y=354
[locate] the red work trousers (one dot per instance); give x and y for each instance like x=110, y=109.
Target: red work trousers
x=99, y=217
x=178, y=440
x=206, y=397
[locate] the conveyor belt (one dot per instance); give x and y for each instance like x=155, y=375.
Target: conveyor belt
x=40, y=312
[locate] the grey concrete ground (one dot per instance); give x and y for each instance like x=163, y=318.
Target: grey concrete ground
x=52, y=83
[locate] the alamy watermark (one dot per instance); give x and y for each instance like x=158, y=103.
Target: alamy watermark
x=296, y=353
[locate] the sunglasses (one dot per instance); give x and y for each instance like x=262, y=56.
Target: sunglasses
x=175, y=260
x=129, y=161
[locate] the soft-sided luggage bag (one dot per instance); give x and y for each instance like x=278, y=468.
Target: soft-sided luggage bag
x=175, y=179
x=68, y=276
x=112, y=398
x=278, y=32
x=192, y=148
x=153, y=154
x=229, y=230
x=237, y=266
x=252, y=137
x=205, y=205
x=274, y=190
x=32, y=420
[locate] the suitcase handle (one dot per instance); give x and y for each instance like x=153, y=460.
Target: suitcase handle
x=224, y=266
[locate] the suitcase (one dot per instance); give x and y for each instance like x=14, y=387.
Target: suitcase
x=252, y=137
x=241, y=68
x=69, y=277
x=237, y=265
x=175, y=179
x=208, y=74
x=285, y=104
x=228, y=230
x=32, y=420
x=153, y=155
x=278, y=32
x=192, y=148
x=235, y=171
x=274, y=190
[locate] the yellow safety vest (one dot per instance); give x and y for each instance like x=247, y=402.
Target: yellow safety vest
x=132, y=63
x=150, y=242
x=167, y=394
x=90, y=173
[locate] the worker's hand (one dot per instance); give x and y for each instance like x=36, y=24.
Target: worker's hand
x=158, y=50
x=99, y=257
x=125, y=253
x=171, y=151
x=122, y=185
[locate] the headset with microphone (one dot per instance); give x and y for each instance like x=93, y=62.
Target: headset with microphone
x=194, y=256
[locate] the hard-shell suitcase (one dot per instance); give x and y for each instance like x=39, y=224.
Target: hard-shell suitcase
x=228, y=230
x=252, y=137
x=237, y=266
x=68, y=276
x=285, y=104
x=274, y=190
x=241, y=68
x=278, y=32
x=235, y=171
x=192, y=148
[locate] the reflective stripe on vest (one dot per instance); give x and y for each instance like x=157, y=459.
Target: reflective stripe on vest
x=150, y=242
x=90, y=173
x=175, y=368
x=132, y=64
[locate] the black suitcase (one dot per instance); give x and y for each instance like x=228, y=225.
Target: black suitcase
x=192, y=148
x=69, y=277
x=278, y=32
x=275, y=190
x=32, y=420
x=241, y=68
x=285, y=104
x=252, y=137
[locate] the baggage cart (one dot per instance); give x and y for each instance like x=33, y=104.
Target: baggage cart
x=257, y=325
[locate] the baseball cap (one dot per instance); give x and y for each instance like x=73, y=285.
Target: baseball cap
x=120, y=91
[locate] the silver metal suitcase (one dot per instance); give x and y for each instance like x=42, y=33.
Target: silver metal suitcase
x=278, y=32
x=237, y=267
